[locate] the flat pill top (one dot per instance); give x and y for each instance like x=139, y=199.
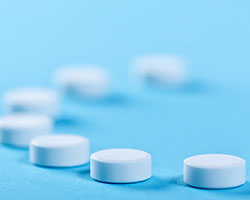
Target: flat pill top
x=29, y=95
x=119, y=155
x=24, y=121
x=59, y=140
x=213, y=161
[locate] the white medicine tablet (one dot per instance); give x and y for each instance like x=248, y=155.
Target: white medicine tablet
x=165, y=70
x=62, y=150
x=214, y=171
x=83, y=81
x=120, y=165
x=19, y=129
x=35, y=100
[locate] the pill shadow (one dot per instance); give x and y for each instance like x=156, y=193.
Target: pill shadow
x=154, y=183
x=116, y=99
x=15, y=148
x=69, y=122
x=191, y=87
x=158, y=183
x=113, y=99
x=20, y=150
x=84, y=173
x=23, y=152
x=66, y=120
x=24, y=159
x=243, y=190
x=196, y=87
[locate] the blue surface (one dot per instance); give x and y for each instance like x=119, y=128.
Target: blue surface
x=210, y=115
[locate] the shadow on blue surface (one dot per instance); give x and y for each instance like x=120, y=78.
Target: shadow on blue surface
x=70, y=123
x=66, y=120
x=84, y=173
x=243, y=190
x=191, y=87
x=15, y=148
x=117, y=99
x=158, y=183
x=196, y=87
x=154, y=183
x=114, y=99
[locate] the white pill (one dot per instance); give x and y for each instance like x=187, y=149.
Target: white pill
x=120, y=165
x=83, y=81
x=35, y=100
x=214, y=171
x=165, y=70
x=62, y=150
x=19, y=129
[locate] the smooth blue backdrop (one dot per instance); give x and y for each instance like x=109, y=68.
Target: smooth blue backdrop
x=210, y=115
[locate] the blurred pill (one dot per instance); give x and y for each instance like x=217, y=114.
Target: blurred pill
x=164, y=70
x=62, y=150
x=19, y=129
x=33, y=100
x=83, y=81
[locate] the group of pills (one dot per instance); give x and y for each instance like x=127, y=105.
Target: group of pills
x=32, y=111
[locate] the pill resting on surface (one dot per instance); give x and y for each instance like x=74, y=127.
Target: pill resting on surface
x=120, y=165
x=214, y=171
x=59, y=150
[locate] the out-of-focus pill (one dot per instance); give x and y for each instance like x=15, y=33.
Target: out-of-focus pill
x=214, y=171
x=62, y=150
x=120, y=165
x=33, y=100
x=83, y=81
x=19, y=129
x=165, y=70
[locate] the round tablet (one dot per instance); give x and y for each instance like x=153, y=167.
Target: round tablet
x=120, y=165
x=164, y=70
x=35, y=100
x=83, y=81
x=62, y=150
x=214, y=171
x=19, y=129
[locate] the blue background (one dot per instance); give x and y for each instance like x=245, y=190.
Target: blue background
x=209, y=115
